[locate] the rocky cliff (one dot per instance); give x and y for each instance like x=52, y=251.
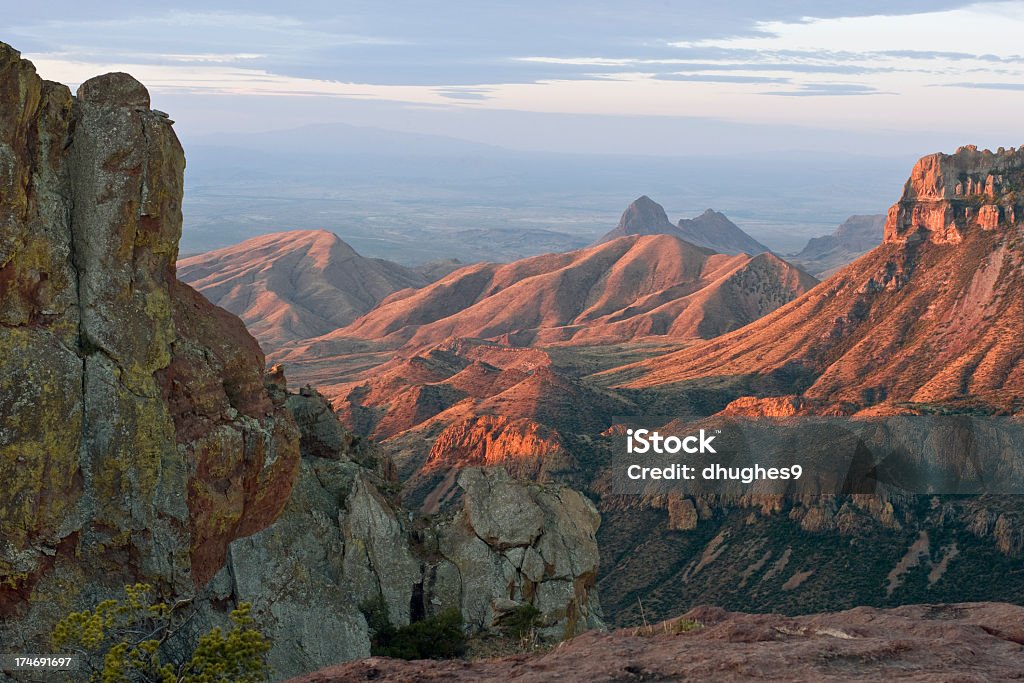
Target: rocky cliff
x=344, y=544
x=137, y=439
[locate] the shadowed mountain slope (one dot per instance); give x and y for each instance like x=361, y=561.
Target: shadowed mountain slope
x=856, y=236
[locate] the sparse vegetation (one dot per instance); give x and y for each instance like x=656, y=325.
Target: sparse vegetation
x=121, y=641
x=520, y=622
x=438, y=637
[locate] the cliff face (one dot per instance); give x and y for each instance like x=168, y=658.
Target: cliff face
x=947, y=194
x=137, y=438
x=343, y=543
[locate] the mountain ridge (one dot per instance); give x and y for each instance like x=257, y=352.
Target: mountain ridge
x=619, y=290
x=296, y=284
x=923, y=318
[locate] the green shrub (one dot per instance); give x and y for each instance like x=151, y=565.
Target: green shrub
x=520, y=622
x=438, y=637
x=120, y=641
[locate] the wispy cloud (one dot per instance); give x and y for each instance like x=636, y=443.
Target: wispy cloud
x=753, y=62
x=828, y=90
x=718, y=78
x=984, y=86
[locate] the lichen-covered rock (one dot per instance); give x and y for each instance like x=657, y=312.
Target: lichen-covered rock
x=137, y=439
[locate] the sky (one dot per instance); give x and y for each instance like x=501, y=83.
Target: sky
x=645, y=77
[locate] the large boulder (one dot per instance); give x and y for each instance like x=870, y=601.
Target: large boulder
x=515, y=543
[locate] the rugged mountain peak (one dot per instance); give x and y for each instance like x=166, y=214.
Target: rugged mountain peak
x=949, y=194
x=644, y=217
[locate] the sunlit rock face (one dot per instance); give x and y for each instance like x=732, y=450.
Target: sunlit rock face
x=948, y=194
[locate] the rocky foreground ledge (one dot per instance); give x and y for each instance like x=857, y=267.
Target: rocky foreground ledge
x=959, y=642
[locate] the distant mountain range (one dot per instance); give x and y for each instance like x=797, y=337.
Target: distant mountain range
x=856, y=236
x=711, y=229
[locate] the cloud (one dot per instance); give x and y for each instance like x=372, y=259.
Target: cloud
x=984, y=86
x=464, y=93
x=718, y=78
x=828, y=90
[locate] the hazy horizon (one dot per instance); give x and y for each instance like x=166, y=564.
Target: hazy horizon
x=786, y=116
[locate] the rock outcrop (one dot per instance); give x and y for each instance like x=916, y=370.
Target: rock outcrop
x=343, y=544
x=969, y=641
x=516, y=543
x=949, y=194
x=137, y=438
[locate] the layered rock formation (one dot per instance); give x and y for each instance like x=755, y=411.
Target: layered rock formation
x=296, y=285
x=711, y=230
x=137, y=439
x=621, y=290
x=856, y=236
x=925, y=318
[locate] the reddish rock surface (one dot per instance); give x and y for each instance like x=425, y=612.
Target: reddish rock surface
x=962, y=642
x=623, y=290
